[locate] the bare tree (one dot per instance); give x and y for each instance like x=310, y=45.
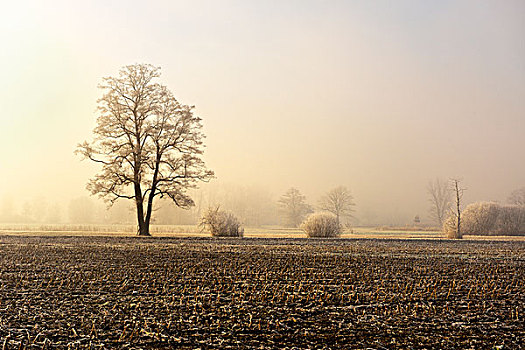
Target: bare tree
x=440, y=199
x=294, y=207
x=148, y=144
x=458, y=192
x=338, y=201
x=517, y=197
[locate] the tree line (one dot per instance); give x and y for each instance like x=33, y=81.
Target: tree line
x=150, y=147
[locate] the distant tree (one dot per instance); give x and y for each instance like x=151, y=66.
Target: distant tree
x=440, y=199
x=293, y=206
x=458, y=193
x=339, y=202
x=149, y=145
x=517, y=197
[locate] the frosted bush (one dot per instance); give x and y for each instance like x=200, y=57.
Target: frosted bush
x=221, y=223
x=487, y=218
x=480, y=218
x=511, y=220
x=321, y=225
x=450, y=227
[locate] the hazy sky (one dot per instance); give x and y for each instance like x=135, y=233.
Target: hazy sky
x=380, y=96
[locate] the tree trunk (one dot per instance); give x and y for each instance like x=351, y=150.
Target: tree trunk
x=458, y=209
x=143, y=227
x=148, y=212
x=149, y=208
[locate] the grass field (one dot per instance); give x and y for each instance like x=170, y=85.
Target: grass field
x=79, y=292
x=195, y=231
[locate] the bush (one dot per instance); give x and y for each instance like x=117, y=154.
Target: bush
x=511, y=220
x=321, y=225
x=487, y=218
x=221, y=223
x=450, y=227
x=480, y=218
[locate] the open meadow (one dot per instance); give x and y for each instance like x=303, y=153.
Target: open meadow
x=103, y=292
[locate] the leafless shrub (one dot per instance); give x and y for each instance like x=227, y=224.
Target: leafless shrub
x=221, y=223
x=450, y=227
x=321, y=225
x=480, y=218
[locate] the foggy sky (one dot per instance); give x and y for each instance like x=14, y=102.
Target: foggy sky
x=378, y=96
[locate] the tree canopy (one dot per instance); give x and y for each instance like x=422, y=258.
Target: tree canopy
x=338, y=201
x=148, y=144
x=293, y=206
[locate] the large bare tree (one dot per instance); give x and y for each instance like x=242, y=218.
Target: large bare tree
x=440, y=199
x=338, y=201
x=148, y=144
x=294, y=207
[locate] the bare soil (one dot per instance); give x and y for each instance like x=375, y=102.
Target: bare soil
x=115, y=292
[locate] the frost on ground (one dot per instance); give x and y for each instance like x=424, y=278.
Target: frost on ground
x=111, y=292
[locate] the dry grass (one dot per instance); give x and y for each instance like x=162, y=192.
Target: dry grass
x=250, y=232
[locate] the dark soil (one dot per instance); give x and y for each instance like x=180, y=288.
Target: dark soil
x=108, y=292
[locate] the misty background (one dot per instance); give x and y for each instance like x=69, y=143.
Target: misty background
x=380, y=97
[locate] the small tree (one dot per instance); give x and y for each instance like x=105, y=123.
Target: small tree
x=456, y=232
x=338, y=201
x=148, y=144
x=440, y=199
x=294, y=207
x=321, y=225
x=221, y=223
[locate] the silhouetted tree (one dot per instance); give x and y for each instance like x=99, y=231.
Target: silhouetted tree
x=148, y=144
x=440, y=199
x=293, y=206
x=339, y=202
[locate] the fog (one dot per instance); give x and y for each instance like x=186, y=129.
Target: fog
x=379, y=97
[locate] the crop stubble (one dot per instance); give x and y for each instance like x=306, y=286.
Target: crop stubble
x=107, y=292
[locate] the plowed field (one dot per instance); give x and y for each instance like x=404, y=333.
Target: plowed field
x=114, y=292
